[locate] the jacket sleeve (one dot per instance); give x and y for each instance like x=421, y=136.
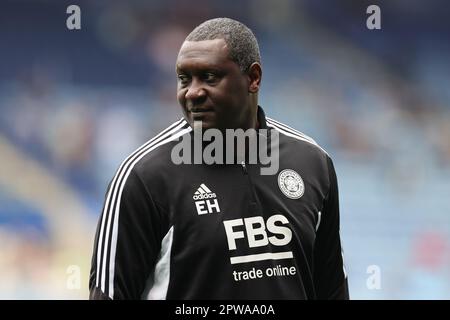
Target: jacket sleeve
x=127, y=241
x=330, y=278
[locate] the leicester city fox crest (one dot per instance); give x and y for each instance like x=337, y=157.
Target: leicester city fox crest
x=291, y=184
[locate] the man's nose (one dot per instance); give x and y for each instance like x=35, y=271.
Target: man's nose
x=195, y=91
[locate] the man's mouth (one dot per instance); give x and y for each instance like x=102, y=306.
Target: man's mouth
x=201, y=113
x=200, y=110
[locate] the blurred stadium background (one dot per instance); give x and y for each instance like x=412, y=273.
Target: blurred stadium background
x=73, y=104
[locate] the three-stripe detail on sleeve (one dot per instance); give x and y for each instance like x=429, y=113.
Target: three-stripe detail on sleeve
x=107, y=239
x=288, y=131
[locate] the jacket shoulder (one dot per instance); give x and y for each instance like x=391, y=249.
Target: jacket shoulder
x=155, y=153
x=302, y=140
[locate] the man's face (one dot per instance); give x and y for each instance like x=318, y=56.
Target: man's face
x=211, y=87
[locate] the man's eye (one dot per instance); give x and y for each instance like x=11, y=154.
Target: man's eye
x=210, y=77
x=183, y=78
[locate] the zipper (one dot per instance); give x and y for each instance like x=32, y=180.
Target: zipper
x=254, y=204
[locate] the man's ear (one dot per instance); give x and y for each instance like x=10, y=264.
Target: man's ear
x=254, y=74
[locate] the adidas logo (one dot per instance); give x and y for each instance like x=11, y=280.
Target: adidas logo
x=203, y=192
x=206, y=201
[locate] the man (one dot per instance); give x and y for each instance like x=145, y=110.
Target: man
x=220, y=231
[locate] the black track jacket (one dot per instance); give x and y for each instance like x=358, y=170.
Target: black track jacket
x=220, y=231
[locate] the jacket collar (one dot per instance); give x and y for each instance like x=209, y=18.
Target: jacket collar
x=261, y=116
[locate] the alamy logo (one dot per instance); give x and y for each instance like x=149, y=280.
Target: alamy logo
x=212, y=146
x=205, y=200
